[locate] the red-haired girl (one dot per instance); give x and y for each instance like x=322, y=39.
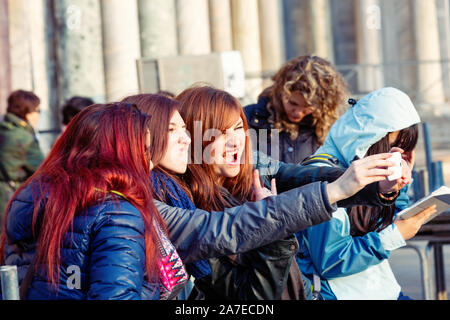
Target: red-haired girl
x=85, y=221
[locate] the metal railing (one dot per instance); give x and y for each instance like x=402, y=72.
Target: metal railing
x=10, y=283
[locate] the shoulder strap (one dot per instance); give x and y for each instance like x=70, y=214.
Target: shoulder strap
x=26, y=282
x=321, y=158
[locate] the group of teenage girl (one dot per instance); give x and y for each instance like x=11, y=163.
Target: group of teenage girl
x=157, y=197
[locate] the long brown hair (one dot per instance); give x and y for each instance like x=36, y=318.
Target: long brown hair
x=216, y=109
x=162, y=108
x=102, y=149
x=366, y=219
x=322, y=86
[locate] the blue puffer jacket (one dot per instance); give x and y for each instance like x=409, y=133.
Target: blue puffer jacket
x=88, y=249
x=113, y=231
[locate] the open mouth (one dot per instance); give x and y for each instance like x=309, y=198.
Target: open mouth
x=231, y=157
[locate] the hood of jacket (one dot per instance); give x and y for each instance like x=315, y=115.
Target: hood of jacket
x=369, y=120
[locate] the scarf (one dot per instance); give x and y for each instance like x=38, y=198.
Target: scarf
x=176, y=197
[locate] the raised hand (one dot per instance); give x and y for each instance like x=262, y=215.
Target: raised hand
x=361, y=173
x=260, y=192
x=387, y=186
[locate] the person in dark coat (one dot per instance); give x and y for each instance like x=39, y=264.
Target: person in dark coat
x=20, y=154
x=298, y=109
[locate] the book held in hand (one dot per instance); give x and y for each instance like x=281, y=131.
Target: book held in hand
x=439, y=197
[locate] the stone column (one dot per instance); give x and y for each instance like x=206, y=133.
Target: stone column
x=297, y=29
x=193, y=27
x=429, y=72
x=30, y=60
x=220, y=24
x=369, y=45
x=344, y=36
x=5, y=69
x=399, y=45
x=80, y=53
x=121, y=47
x=20, y=46
x=246, y=39
x=322, y=35
x=270, y=29
x=158, y=28
x=443, y=9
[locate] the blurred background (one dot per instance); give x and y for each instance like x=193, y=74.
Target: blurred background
x=108, y=49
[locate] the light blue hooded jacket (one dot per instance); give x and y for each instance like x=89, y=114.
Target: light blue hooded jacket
x=357, y=267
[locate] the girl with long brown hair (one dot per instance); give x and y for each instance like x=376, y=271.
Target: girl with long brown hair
x=225, y=232
x=349, y=253
x=305, y=99
x=220, y=176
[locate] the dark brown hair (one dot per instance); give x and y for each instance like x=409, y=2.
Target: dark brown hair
x=161, y=108
x=366, y=219
x=22, y=102
x=73, y=106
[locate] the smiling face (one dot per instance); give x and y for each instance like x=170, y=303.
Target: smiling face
x=226, y=153
x=176, y=157
x=295, y=106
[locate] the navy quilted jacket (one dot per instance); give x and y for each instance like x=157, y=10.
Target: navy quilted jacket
x=88, y=254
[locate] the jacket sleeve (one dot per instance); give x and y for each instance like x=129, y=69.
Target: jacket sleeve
x=260, y=274
x=118, y=257
x=288, y=176
x=402, y=201
x=198, y=234
x=335, y=253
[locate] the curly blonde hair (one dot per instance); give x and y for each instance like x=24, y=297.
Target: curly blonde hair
x=322, y=86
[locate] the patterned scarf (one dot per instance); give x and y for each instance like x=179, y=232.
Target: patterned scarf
x=176, y=197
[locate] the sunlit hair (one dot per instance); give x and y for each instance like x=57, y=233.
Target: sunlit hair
x=162, y=108
x=216, y=109
x=102, y=149
x=322, y=86
x=366, y=219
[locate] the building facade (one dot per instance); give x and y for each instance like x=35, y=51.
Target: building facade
x=62, y=48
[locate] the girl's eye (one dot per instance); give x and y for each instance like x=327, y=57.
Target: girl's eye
x=239, y=128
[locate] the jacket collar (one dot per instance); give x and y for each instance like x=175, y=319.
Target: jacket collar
x=18, y=122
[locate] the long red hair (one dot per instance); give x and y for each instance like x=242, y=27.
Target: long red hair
x=215, y=109
x=103, y=148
